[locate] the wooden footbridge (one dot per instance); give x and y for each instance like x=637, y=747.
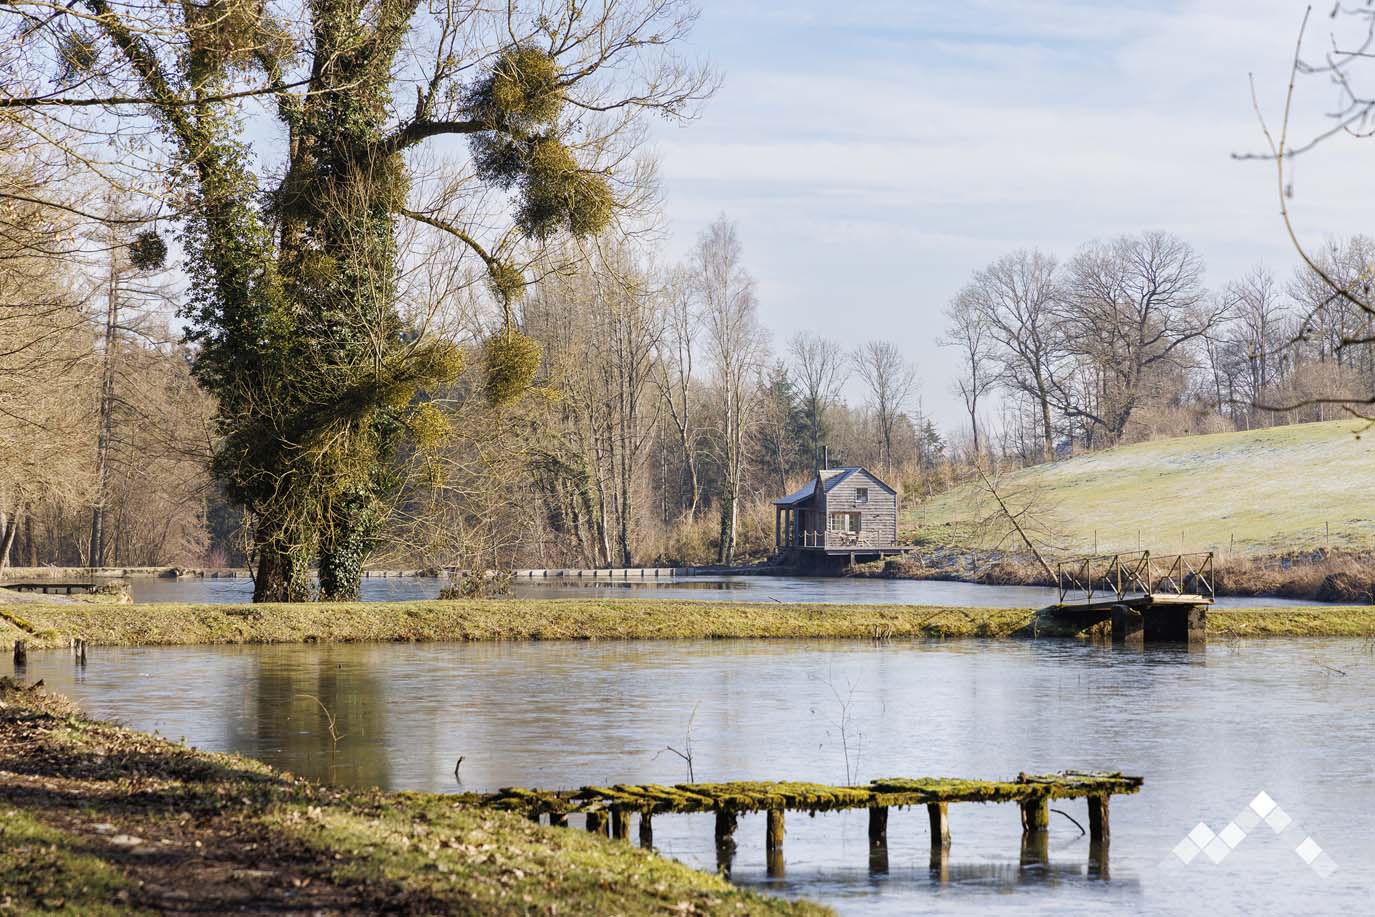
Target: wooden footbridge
x=1145, y=598
x=607, y=810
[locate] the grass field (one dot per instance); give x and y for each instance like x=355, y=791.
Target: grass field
x=1266, y=491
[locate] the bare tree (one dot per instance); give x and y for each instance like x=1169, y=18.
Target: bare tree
x=891, y=382
x=1133, y=304
x=819, y=370
x=675, y=376
x=967, y=330
x=1016, y=297
x=737, y=345
x=1254, y=348
x=1343, y=61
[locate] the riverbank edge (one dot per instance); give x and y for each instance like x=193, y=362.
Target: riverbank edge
x=99, y=819
x=487, y=620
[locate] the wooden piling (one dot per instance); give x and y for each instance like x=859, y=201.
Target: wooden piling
x=558, y=820
x=938, y=813
x=596, y=822
x=1098, y=818
x=726, y=821
x=1035, y=815
x=620, y=824
x=878, y=826
x=1098, y=860
x=1035, y=848
x=646, y=831
x=773, y=839
x=21, y=653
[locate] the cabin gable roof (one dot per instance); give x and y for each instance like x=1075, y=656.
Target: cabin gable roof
x=829, y=478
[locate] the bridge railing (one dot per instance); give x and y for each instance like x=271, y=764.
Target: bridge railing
x=1104, y=577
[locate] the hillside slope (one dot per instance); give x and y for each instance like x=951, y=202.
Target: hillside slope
x=1264, y=491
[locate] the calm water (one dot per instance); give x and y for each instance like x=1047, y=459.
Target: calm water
x=702, y=588
x=1208, y=730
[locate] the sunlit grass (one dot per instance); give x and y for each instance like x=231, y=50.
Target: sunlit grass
x=1266, y=491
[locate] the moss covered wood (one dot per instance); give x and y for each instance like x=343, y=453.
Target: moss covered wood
x=764, y=796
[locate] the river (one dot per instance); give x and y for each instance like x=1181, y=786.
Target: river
x=1208, y=729
x=832, y=590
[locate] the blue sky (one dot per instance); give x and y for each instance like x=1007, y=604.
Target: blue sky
x=875, y=153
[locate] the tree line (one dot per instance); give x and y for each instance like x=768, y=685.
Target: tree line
x=323, y=285
x=1124, y=341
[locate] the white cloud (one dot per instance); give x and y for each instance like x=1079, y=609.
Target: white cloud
x=874, y=154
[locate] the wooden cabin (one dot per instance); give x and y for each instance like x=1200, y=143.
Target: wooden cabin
x=843, y=512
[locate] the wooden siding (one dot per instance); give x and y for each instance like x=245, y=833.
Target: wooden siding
x=879, y=516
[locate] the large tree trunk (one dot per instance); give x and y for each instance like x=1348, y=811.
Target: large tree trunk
x=345, y=546
x=7, y=529
x=283, y=573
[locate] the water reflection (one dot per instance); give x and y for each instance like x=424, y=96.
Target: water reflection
x=1207, y=729
x=699, y=588
x=323, y=719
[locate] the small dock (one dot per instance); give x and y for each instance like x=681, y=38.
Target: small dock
x=1141, y=598
x=608, y=810
x=52, y=587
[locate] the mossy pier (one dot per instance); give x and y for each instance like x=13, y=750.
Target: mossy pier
x=608, y=809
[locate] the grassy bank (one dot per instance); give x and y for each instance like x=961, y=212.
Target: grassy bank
x=95, y=819
x=503, y=619
x=1261, y=492
x=579, y=619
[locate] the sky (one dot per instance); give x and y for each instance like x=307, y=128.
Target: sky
x=874, y=153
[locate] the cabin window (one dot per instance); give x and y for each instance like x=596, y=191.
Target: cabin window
x=844, y=522
x=861, y=495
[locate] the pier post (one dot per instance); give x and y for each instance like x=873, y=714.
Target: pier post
x=646, y=831
x=596, y=822
x=938, y=813
x=726, y=821
x=1035, y=815
x=725, y=840
x=773, y=839
x=558, y=820
x=1035, y=848
x=1128, y=626
x=620, y=824
x=1098, y=837
x=21, y=653
x=878, y=826
x=773, y=843
x=1098, y=818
